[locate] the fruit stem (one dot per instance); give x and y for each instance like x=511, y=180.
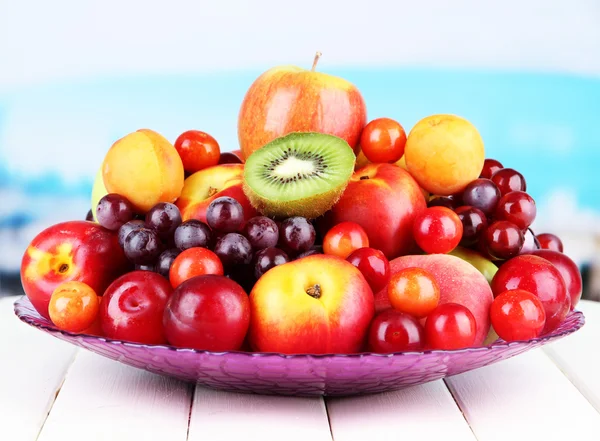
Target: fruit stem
x=314, y=291
x=315, y=61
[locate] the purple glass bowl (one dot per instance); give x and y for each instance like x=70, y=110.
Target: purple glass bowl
x=300, y=375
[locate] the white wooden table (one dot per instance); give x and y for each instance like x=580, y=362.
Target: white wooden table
x=52, y=391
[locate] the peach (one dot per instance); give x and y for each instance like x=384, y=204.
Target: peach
x=145, y=168
x=201, y=188
x=444, y=153
x=459, y=282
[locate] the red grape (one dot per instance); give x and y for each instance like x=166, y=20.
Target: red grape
x=192, y=233
x=297, y=234
x=474, y=224
x=442, y=201
x=165, y=260
x=395, y=331
x=164, y=218
x=490, y=166
x=229, y=158
x=268, y=258
x=225, y=214
x=437, y=230
x=530, y=242
x=127, y=228
x=234, y=249
x=262, y=232
x=503, y=240
x=450, y=326
x=113, y=211
x=373, y=265
x=89, y=216
x=516, y=207
x=142, y=246
x=508, y=179
x=550, y=241
x=517, y=315
x=481, y=194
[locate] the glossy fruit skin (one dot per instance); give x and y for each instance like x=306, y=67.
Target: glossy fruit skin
x=297, y=234
x=550, y=241
x=233, y=249
x=414, y=291
x=230, y=158
x=517, y=315
x=198, y=150
x=474, y=224
x=539, y=277
x=490, y=166
x=289, y=99
x=194, y=262
x=164, y=218
x=127, y=228
x=207, y=313
x=75, y=250
x=373, y=265
x=345, y=238
x=383, y=140
x=318, y=304
x=437, y=230
x=73, y=306
x=262, y=232
x=568, y=270
x=192, y=233
x=113, y=211
x=442, y=201
x=508, y=179
x=516, y=207
x=132, y=307
x=225, y=214
x=268, y=258
x=388, y=223
x=503, y=240
x=142, y=246
x=165, y=260
x=482, y=194
x=394, y=331
x=450, y=326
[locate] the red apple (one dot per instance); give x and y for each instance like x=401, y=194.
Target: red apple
x=318, y=304
x=384, y=199
x=201, y=188
x=568, y=270
x=459, y=282
x=289, y=99
x=76, y=250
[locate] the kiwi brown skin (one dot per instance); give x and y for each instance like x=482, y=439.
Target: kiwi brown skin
x=309, y=207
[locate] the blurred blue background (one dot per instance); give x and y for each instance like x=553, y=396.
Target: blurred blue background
x=76, y=77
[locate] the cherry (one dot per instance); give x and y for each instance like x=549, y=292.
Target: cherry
x=193, y=262
x=132, y=307
x=516, y=207
x=208, y=313
x=198, y=150
x=437, y=230
x=344, y=238
x=490, y=166
x=395, y=331
x=414, y=291
x=517, y=315
x=373, y=265
x=73, y=306
x=450, y=326
x=508, y=179
x=550, y=241
x=383, y=140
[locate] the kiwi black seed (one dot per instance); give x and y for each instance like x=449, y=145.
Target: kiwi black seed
x=300, y=174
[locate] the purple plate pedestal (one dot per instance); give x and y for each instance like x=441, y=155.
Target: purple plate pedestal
x=300, y=375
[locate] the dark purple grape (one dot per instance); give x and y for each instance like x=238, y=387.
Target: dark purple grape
x=225, y=214
x=474, y=223
x=229, y=158
x=481, y=194
x=89, y=216
x=503, y=240
x=530, y=242
x=113, y=210
x=234, y=249
x=143, y=267
x=164, y=218
x=128, y=228
x=142, y=246
x=262, y=232
x=192, y=233
x=268, y=258
x=297, y=234
x=442, y=201
x=165, y=260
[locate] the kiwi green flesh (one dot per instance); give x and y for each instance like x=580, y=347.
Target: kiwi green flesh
x=298, y=166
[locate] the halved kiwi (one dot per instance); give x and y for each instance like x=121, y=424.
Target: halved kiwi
x=300, y=174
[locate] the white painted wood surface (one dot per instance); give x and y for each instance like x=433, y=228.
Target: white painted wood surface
x=223, y=416
x=32, y=368
x=527, y=397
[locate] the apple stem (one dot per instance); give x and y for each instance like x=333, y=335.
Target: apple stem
x=315, y=61
x=314, y=291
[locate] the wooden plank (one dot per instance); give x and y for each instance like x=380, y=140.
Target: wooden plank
x=32, y=369
x=524, y=398
x=425, y=412
x=105, y=400
x=224, y=416
x=577, y=355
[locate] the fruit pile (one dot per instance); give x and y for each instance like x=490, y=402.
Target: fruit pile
x=323, y=234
